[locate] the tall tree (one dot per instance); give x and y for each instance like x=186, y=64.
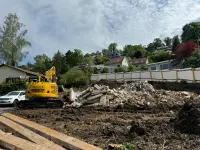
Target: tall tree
x=134, y=51
x=150, y=48
x=59, y=63
x=175, y=42
x=105, y=52
x=168, y=41
x=74, y=58
x=42, y=63
x=157, y=43
x=184, y=50
x=191, y=31
x=112, y=47
x=12, y=40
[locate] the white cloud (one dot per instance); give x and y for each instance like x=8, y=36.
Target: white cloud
x=91, y=25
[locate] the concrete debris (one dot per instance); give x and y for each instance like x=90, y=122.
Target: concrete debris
x=138, y=94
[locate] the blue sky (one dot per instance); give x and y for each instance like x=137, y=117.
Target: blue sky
x=91, y=25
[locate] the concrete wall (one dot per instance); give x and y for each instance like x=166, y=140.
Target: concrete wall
x=6, y=72
x=189, y=75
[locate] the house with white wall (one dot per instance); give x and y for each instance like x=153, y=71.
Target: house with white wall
x=117, y=62
x=163, y=65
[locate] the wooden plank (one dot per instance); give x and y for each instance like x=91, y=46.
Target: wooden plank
x=57, y=137
x=12, y=142
x=32, y=136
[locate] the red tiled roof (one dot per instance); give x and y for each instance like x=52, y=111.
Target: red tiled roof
x=115, y=60
x=138, y=61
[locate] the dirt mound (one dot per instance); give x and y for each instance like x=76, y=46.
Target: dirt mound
x=188, y=120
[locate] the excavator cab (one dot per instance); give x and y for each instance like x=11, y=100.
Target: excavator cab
x=42, y=91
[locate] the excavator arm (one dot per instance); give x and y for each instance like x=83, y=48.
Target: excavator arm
x=51, y=74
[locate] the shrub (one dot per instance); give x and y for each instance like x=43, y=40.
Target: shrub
x=104, y=70
x=158, y=56
x=132, y=68
x=119, y=69
x=75, y=78
x=8, y=87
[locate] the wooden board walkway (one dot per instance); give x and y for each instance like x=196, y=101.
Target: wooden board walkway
x=53, y=135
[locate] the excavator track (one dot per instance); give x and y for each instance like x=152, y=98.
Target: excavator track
x=39, y=103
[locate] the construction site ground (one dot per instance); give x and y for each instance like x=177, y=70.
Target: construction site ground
x=171, y=120
x=101, y=127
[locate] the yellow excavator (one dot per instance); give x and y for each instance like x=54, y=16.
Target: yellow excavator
x=42, y=92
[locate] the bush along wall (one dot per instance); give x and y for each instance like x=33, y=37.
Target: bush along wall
x=8, y=87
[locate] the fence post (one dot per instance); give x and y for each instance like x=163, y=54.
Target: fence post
x=193, y=74
x=131, y=76
x=123, y=77
x=140, y=76
x=162, y=74
x=115, y=77
x=151, y=75
x=177, y=75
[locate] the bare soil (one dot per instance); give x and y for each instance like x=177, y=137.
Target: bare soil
x=101, y=126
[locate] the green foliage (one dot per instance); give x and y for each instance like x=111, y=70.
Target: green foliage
x=73, y=58
x=75, y=78
x=157, y=43
x=132, y=68
x=96, y=71
x=113, y=47
x=191, y=31
x=7, y=87
x=105, y=52
x=158, y=56
x=104, y=70
x=98, y=60
x=119, y=69
x=87, y=59
x=42, y=63
x=133, y=51
x=59, y=63
x=168, y=41
x=193, y=61
x=150, y=48
x=12, y=40
x=175, y=42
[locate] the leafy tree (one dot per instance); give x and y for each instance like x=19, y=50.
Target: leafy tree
x=98, y=60
x=132, y=68
x=168, y=41
x=104, y=70
x=76, y=78
x=105, y=52
x=87, y=59
x=193, y=61
x=42, y=63
x=157, y=43
x=185, y=49
x=191, y=31
x=73, y=58
x=59, y=63
x=12, y=40
x=151, y=47
x=112, y=47
x=175, y=42
x=158, y=56
x=136, y=51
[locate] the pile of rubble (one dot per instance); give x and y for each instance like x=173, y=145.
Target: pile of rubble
x=137, y=93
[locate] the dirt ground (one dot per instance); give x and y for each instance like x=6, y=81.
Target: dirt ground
x=100, y=126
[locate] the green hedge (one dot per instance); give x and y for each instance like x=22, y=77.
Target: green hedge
x=8, y=87
x=75, y=78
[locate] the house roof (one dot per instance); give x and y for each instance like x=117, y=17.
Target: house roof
x=19, y=69
x=115, y=60
x=138, y=61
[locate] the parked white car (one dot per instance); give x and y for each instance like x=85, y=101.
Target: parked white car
x=12, y=97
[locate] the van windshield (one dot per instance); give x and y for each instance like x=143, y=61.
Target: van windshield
x=13, y=93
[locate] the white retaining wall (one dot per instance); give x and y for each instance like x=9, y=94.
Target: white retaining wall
x=191, y=75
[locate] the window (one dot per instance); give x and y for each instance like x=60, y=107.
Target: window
x=165, y=66
x=153, y=68
x=13, y=93
x=22, y=93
